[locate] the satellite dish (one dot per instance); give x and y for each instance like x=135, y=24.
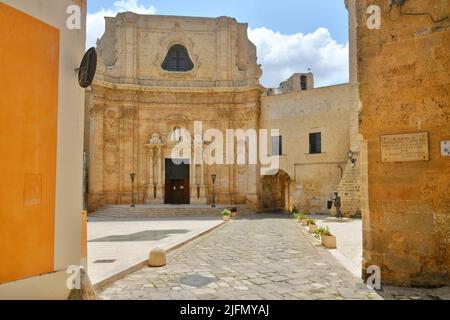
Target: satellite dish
x=87, y=69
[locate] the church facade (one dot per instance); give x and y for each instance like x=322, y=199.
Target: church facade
x=160, y=76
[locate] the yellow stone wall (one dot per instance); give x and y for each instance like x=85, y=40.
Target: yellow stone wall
x=404, y=81
x=314, y=177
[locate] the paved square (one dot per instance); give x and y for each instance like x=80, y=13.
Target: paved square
x=265, y=257
x=259, y=257
x=115, y=244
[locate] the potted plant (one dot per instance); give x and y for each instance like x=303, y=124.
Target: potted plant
x=226, y=214
x=305, y=221
x=328, y=240
x=295, y=213
x=234, y=212
x=312, y=226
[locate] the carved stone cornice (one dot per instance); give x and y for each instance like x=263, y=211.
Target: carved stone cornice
x=177, y=119
x=175, y=89
x=97, y=109
x=128, y=111
x=225, y=113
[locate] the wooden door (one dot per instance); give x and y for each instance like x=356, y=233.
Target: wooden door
x=177, y=191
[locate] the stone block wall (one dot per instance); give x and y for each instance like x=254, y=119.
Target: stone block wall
x=404, y=81
x=314, y=177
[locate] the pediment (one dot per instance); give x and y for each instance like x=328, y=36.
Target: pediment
x=177, y=119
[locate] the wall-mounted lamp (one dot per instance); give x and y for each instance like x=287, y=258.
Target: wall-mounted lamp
x=351, y=157
x=133, y=202
x=213, y=178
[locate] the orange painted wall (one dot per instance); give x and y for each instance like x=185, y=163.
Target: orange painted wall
x=29, y=62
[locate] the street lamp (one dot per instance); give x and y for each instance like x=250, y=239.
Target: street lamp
x=214, y=177
x=132, y=176
x=351, y=157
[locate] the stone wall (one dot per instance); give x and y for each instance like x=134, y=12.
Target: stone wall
x=314, y=177
x=404, y=81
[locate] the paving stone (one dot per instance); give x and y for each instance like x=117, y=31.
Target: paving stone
x=252, y=259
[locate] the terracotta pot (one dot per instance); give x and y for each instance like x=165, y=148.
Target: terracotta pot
x=305, y=223
x=329, y=242
x=312, y=228
x=226, y=218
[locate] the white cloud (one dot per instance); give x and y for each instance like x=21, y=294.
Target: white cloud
x=282, y=55
x=96, y=20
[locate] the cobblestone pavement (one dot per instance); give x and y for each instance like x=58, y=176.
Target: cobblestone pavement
x=252, y=258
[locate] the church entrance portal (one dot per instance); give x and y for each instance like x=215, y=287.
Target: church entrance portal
x=177, y=182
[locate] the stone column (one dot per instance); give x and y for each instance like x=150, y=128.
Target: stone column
x=253, y=171
x=151, y=183
x=163, y=172
x=193, y=182
x=202, y=196
x=159, y=170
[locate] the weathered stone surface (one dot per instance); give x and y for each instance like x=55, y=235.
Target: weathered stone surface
x=403, y=87
x=86, y=292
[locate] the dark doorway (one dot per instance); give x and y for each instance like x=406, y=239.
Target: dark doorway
x=177, y=182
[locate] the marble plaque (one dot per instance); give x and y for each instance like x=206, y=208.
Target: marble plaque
x=405, y=147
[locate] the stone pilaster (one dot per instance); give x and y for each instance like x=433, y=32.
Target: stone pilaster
x=159, y=170
x=193, y=182
x=151, y=172
x=96, y=197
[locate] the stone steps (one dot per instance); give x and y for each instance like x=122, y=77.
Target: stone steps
x=113, y=211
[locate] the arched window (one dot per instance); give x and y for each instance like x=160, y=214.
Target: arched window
x=178, y=60
x=304, y=82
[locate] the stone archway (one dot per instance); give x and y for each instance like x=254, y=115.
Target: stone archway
x=275, y=191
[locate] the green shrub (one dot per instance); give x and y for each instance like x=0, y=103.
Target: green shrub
x=299, y=216
x=322, y=232
x=226, y=212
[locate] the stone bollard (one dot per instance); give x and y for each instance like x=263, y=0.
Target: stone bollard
x=157, y=258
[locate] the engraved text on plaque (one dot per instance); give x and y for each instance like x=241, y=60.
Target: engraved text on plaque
x=405, y=147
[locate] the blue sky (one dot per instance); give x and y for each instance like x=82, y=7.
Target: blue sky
x=291, y=35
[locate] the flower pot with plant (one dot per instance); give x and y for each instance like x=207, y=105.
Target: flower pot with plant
x=296, y=213
x=226, y=214
x=305, y=221
x=234, y=212
x=312, y=226
x=328, y=240
x=300, y=217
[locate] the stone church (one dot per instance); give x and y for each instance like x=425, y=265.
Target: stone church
x=158, y=75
